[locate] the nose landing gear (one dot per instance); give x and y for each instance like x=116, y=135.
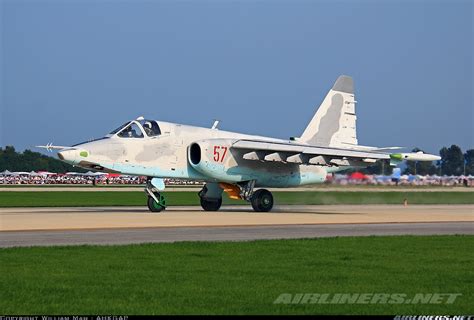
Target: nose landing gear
x=156, y=201
x=156, y=206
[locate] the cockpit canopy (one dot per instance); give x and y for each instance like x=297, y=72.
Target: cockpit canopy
x=137, y=129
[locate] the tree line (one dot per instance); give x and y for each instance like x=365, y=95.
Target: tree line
x=453, y=162
x=28, y=161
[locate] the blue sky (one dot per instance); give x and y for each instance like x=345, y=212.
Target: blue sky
x=74, y=70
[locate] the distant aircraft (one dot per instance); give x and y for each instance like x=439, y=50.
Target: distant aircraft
x=232, y=162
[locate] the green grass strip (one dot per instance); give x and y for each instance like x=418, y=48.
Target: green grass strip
x=238, y=277
x=137, y=198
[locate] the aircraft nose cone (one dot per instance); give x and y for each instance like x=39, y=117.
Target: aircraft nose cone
x=69, y=156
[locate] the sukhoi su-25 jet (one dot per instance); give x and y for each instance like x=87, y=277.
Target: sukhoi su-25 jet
x=241, y=165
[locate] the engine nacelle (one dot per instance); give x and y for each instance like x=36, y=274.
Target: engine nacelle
x=211, y=157
x=215, y=159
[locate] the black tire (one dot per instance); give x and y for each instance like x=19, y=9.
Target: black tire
x=211, y=205
x=153, y=206
x=262, y=200
x=203, y=192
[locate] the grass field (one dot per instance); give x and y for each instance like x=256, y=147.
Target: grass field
x=137, y=198
x=237, y=277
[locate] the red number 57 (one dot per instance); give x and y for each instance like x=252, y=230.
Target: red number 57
x=219, y=153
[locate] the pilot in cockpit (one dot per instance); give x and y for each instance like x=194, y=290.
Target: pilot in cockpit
x=127, y=132
x=147, y=128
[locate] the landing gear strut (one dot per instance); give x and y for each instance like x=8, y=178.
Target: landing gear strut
x=156, y=201
x=261, y=200
x=211, y=195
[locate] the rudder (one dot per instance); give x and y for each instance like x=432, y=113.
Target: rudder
x=334, y=124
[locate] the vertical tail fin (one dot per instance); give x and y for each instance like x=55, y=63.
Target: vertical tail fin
x=334, y=124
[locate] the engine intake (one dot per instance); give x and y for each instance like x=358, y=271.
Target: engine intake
x=195, y=154
x=211, y=157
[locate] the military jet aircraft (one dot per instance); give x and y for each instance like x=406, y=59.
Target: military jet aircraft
x=241, y=165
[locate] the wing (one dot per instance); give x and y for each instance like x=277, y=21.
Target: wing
x=305, y=154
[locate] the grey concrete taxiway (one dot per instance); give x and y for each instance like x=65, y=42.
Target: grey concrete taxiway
x=122, y=225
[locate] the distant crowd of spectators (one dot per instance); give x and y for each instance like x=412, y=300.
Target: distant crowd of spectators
x=68, y=178
x=96, y=178
x=403, y=180
x=74, y=178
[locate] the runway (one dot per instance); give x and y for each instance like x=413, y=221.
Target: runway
x=122, y=225
x=172, y=234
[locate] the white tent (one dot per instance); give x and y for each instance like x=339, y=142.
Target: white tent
x=6, y=173
x=94, y=174
x=21, y=173
x=73, y=174
x=46, y=173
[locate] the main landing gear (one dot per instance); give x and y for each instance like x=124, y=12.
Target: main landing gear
x=211, y=196
x=156, y=201
x=262, y=200
x=211, y=205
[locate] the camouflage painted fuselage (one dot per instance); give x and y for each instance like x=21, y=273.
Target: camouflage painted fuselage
x=168, y=156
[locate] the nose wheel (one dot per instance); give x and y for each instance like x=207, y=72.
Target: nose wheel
x=156, y=201
x=155, y=206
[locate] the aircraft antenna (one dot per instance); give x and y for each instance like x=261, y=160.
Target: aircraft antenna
x=216, y=123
